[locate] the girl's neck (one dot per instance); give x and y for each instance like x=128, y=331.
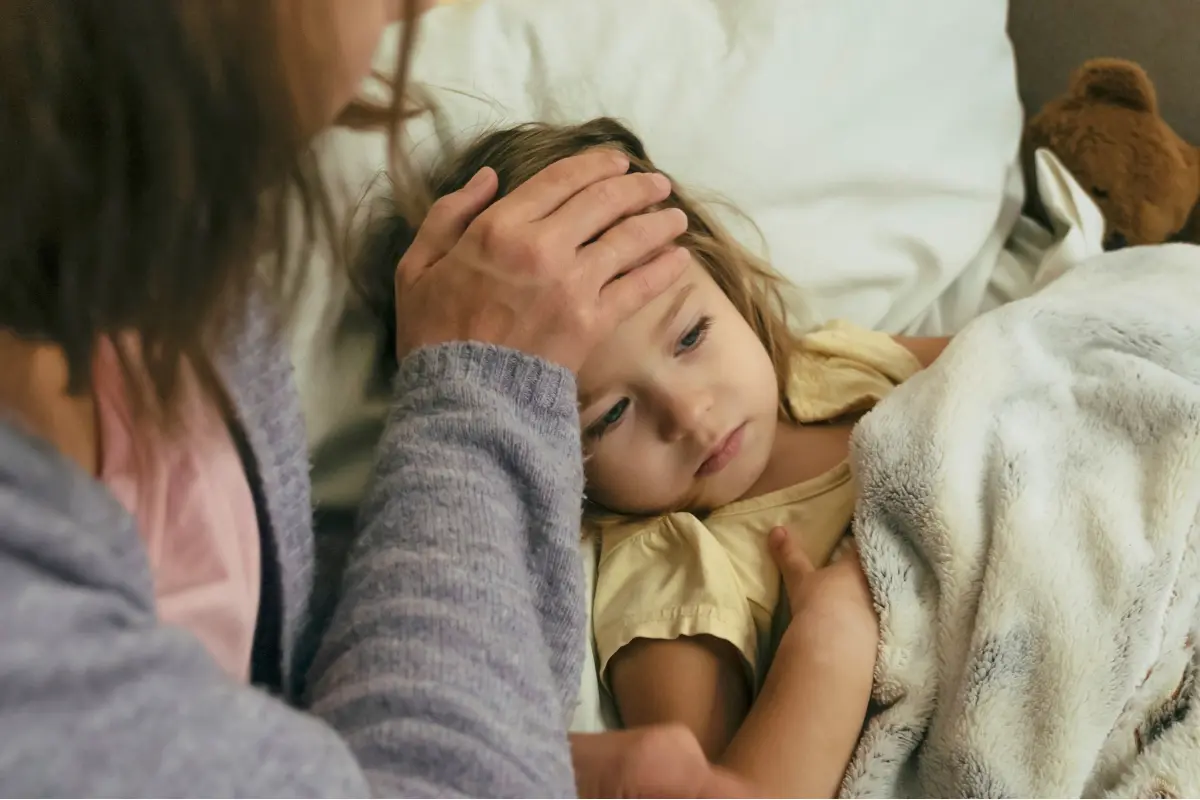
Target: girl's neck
x=803, y=452
x=33, y=394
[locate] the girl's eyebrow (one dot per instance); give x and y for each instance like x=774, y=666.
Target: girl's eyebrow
x=676, y=305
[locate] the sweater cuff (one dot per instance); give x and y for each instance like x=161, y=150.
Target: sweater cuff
x=527, y=380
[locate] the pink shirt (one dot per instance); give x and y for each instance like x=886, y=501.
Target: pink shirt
x=194, y=510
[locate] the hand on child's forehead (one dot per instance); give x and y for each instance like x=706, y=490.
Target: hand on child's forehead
x=642, y=330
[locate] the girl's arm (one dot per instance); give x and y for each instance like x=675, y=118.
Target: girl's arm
x=697, y=681
x=801, y=731
x=799, y=734
x=925, y=348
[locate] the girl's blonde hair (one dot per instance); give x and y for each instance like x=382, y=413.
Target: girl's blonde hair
x=519, y=153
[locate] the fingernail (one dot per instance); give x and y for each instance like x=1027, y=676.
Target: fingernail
x=620, y=159
x=661, y=182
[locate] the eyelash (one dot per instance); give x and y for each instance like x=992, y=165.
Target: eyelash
x=699, y=331
x=696, y=334
x=602, y=426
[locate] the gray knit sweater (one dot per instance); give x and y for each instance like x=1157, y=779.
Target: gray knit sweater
x=453, y=656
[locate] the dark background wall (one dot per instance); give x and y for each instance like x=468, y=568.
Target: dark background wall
x=1052, y=37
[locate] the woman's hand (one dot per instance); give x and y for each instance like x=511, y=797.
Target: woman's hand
x=549, y=269
x=652, y=761
x=834, y=598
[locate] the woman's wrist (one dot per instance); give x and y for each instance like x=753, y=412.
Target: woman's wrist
x=524, y=377
x=474, y=377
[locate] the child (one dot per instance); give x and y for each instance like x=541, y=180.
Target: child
x=707, y=422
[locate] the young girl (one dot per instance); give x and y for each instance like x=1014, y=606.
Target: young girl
x=708, y=422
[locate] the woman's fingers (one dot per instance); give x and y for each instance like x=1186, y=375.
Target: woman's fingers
x=600, y=206
x=448, y=219
x=498, y=276
x=635, y=262
x=544, y=193
x=630, y=243
x=626, y=295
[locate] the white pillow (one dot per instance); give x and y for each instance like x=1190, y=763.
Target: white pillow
x=869, y=140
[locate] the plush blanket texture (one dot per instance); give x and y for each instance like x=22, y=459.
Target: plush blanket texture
x=1028, y=523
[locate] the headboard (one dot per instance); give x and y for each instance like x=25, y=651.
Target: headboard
x=1052, y=37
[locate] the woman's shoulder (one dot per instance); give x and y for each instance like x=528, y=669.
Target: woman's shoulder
x=63, y=526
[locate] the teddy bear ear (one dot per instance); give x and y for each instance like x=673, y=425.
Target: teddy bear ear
x=1116, y=82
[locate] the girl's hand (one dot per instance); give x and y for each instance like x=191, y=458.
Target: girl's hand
x=817, y=691
x=550, y=269
x=834, y=597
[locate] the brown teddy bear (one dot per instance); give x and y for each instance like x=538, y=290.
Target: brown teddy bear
x=1107, y=131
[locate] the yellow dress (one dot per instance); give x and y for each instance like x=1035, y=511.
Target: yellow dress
x=679, y=575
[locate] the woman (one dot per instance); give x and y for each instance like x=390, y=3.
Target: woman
x=155, y=534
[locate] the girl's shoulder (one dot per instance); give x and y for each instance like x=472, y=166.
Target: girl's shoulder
x=842, y=368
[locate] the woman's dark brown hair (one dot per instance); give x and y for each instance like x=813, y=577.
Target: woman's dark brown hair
x=153, y=155
x=519, y=153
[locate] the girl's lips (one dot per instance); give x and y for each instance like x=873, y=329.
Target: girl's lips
x=725, y=451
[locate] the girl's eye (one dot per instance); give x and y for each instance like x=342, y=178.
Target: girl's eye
x=611, y=418
x=695, y=335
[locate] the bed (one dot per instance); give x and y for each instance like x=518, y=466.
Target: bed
x=891, y=286
x=873, y=143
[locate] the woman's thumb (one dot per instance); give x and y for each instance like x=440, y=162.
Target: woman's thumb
x=789, y=557
x=446, y=223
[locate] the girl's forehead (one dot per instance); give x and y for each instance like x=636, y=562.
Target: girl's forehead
x=648, y=334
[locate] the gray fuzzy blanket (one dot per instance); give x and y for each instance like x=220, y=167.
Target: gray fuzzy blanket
x=1029, y=525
